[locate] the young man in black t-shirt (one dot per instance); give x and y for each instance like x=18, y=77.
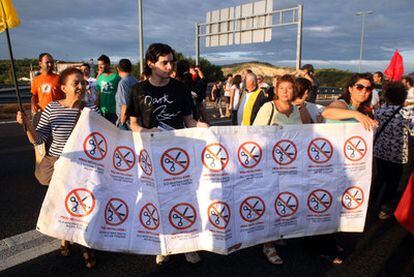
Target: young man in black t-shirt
x=160, y=99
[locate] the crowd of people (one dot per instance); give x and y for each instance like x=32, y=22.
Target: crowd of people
x=171, y=95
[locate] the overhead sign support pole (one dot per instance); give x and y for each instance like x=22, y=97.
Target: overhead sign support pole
x=141, y=47
x=246, y=24
x=197, y=44
x=299, y=39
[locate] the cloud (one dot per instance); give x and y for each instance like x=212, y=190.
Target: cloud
x=77, y=29
x=320, y=29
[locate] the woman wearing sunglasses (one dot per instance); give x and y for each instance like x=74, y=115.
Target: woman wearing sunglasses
x=354, y=103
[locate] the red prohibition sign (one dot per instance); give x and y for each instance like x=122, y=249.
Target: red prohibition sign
x=215, y=157
x=116, y=212
x=320, y=150
x=182, y=216
x=355, y=148
x=219, y=214
x=80, y=202
x=249, y=154
x=145, y=162
x=252, y=208
x=175, y=161
x=123, y=158
x=286, y=204
x=149, y=216
x=352, y=198
x=284, y=152
x=95, y=146
x=319, y=201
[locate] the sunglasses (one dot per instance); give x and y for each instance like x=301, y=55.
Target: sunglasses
x=360, y=87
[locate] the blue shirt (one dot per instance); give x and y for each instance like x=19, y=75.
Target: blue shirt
x=123, y=92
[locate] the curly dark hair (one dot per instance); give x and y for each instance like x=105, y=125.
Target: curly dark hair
x=301, y=86
x=395, y=93
x=365, y=106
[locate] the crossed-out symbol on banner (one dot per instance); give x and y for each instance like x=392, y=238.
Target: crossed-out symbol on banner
x=215, y=157
x=352, y=198
x=284, y=152
x=355, y=148
x=149, y=216
x=286, y=204
x=320, y=150
x=182, y=216
x=80, y=202
x=175, y=161
x=219, y=214
x=252, y=208
x=145, y=162
x=319, y=200
x=116, y=212
x=249, y=154
x=95, y=146
x=124, y=158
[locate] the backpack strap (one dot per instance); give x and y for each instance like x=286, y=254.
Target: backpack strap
x=271, y=114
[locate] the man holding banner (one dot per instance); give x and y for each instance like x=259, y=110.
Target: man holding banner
x=161, y=103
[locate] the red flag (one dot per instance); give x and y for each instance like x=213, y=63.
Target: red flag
x=395, y=69
x=405, y=210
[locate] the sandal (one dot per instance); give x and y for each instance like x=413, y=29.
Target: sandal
x=65, y=248
x=271, y=255
x=90, y=259
x=335, y=260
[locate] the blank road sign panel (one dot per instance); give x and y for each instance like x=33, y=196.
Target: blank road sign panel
x=244, y=24
x=249, y=19
x=217, y=22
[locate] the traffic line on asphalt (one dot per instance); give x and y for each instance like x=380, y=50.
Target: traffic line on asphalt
x=8, y=122
x=24, y=247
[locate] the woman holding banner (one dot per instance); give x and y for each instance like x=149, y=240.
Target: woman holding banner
x=55, y=126
x=279, y=111
x=352, y=106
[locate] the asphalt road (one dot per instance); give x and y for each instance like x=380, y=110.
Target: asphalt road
x=384, y=249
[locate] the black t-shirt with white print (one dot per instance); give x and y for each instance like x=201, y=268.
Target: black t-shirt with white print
x=167, y=104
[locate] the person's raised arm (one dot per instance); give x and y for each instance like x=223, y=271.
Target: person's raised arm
x=339, y=111
x=22, y=119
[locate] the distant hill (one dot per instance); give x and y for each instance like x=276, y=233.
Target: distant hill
x=327, y=77
x=266, y=69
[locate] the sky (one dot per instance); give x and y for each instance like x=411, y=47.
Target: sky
x=74, y=30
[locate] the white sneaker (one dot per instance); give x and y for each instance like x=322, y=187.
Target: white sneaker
x=161, y=259
x=192, y=257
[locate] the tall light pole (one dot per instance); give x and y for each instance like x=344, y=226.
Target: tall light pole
x=363, y=14
x=141, y=47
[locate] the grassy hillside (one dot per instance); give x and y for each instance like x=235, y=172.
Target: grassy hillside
x=327, y=77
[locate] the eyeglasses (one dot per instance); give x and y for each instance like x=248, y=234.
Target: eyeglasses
x=360, y=87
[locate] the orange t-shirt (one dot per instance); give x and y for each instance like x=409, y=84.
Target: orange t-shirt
x=45, y=86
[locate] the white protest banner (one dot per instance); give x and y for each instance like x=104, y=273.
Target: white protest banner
x=218, y=189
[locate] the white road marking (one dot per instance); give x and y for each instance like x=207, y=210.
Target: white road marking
x=25, y=247
x=8, y=122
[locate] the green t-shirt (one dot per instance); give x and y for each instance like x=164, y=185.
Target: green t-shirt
x=107, y=86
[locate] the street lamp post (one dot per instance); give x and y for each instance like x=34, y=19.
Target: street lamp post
x=363, y=14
